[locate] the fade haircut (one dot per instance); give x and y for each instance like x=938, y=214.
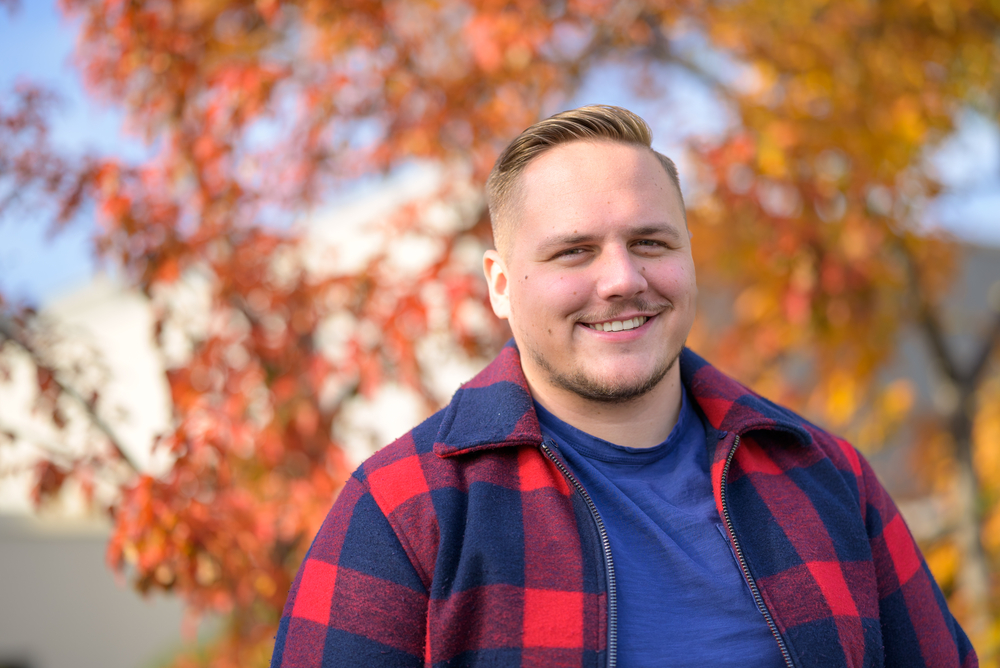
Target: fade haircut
x=595, y=122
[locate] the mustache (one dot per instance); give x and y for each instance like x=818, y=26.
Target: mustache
x=614, y=311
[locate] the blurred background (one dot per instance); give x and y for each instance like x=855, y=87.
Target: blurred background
x=240, y=247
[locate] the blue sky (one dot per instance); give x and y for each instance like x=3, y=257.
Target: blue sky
x=36, y=43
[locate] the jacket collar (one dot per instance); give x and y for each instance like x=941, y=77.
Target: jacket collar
x=495, y=409
x=731, y=406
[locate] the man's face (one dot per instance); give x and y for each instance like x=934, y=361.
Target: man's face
x=599, y=242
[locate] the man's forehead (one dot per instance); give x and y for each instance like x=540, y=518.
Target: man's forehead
x=567, y=174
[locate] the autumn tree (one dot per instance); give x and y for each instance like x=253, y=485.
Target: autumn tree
x=812, y=221
x=828, y=179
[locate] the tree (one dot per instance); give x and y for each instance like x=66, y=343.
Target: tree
x=256, y=109
x=837, y=185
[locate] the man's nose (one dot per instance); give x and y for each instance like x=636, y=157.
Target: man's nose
x=620, y=274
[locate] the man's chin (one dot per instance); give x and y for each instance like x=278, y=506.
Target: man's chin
x=612, y=388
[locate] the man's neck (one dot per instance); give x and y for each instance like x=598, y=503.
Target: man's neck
x=643, y=422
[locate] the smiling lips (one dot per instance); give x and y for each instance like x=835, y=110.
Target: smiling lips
x=617, y=325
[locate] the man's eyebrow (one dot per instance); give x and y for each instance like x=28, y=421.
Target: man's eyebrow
x=562, y=241
x=665, y=229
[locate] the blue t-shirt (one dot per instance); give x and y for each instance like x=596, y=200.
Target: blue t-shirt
x=682, y=600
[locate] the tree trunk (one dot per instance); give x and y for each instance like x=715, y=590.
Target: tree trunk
x=974, y=575
x=963, y=381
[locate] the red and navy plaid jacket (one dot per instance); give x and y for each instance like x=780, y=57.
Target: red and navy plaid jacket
x=468, y=543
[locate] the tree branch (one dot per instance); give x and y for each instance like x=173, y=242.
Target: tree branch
x=990, y=343
x=662, y=50
x=8, y=331
x=927, y=316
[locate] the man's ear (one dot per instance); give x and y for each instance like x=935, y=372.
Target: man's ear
x=496, y=279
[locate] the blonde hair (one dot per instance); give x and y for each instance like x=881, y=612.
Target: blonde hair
x=595, y=122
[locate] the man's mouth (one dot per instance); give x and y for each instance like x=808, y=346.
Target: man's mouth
x=617, y=325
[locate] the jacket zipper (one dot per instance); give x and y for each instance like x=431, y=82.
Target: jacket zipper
x=609, y=566
x=758, y=599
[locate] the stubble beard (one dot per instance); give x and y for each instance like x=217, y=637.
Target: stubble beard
x=595, y=389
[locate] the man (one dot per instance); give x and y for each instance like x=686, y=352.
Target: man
x=599, y=495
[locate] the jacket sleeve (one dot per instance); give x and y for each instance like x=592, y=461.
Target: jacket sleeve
x=917, y=627
x=357, y=599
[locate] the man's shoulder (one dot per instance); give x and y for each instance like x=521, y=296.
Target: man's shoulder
x=416, y=442
x=731, y=406
x=492, y=410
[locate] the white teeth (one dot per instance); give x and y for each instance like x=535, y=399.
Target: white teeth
x=619, y=325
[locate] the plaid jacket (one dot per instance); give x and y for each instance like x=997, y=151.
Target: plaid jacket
x=467, y=542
